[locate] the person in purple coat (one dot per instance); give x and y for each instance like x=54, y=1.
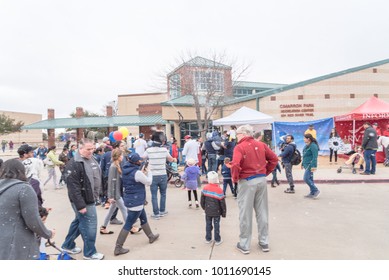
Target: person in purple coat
x=190, y=177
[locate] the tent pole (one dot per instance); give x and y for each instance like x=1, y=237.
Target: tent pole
x=354, y=133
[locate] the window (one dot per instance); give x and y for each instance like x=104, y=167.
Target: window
x=242, y=92
x=174, y=86
x=352, y=95
x=209, y=81
x=272, y=98
x=300, y=97
x=326, y=96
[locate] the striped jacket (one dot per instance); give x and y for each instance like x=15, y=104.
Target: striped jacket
x=213, y=201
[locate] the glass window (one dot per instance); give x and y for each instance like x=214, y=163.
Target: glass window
x=174, y=86
x=209, y=81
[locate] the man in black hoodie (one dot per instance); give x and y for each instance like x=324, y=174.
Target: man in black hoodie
x=370, y=147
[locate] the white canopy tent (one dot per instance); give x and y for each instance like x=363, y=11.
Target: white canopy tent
x=246, y=115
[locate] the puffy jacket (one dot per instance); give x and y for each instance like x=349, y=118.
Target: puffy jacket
x=208, y=147
x=80, y=191
x=213, y=201
x=190, y=176
x=134, y=193
x=369, y=141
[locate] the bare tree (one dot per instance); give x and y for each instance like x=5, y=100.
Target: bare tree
x=209, y=82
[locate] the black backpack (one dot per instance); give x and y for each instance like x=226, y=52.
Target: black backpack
x=296, y=157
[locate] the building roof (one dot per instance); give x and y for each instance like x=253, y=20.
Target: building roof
x=304, y=83
x=199, y=61
x=187, y=100
x=133, y=120
x=256, y=85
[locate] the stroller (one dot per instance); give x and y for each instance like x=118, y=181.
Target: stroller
x=173, y=174
x=355, y=159
x=61, y=256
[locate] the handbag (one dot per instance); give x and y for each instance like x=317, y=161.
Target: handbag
x=48, y=161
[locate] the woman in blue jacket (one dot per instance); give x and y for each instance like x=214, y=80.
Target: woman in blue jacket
x=134, y=179
x=310, y=154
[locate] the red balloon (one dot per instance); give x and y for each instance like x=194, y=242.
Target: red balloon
x=117, y=135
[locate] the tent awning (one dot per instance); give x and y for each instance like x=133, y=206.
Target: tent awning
x=243, y=116
x=97, y=122
x=372, y=109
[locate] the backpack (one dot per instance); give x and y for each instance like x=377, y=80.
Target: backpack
x=296, y=157
x=216, y=145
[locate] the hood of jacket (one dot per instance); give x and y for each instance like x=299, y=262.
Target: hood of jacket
x=5, y=183
x=194, y=170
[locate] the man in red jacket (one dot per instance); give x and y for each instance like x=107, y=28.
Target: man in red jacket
x=252, y=162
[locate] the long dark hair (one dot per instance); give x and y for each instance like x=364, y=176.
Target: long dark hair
x=13, y=169
x=334, y=134
x=312, y=139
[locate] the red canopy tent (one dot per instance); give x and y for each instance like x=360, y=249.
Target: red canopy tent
x=350, y=126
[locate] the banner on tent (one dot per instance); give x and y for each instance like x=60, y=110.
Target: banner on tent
x=323, y=129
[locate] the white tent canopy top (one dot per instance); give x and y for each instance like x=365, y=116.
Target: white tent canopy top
x=243, y=116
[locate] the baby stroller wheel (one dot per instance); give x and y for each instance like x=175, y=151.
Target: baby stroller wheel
x=178, y=183
x=339, y=170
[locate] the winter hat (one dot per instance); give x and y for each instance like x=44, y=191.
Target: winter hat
x=134, y=157
x=24, y=149
x=191, y=162
x=213, y=177
x=105, y=139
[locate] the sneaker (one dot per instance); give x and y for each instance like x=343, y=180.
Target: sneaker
x=75, y=250
x=308, y=195
x=364, y=173
x=115, y=221
x=190, y=205
x=207, y=241
x=163, y=214
x=96, y=256
x=316, y=194
x=264, y=248
x=155, y=217
x=217, y=243
x=289, y=190
x=243, y=251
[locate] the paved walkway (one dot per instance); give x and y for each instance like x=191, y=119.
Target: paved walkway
x=348, y=221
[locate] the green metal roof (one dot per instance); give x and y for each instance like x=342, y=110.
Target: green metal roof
x=187, y=100
x=304, y=83
x=256, y=85
x=97, y=122
x=199, y=61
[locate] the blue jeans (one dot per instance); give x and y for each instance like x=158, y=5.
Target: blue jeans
x=308, y=178
x=132, y=216
x=212, y=165
x=208, y=228
x=86, y=225
x=227, y=182
x=370, y=159
x=159, y=181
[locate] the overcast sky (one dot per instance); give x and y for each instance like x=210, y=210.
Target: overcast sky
x=64, y=54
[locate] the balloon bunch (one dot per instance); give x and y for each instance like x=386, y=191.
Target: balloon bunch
x=119, y=134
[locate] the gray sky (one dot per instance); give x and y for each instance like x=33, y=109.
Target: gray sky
x=64, y=54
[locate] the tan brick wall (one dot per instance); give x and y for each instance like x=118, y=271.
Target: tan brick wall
x=31, y=136
x=363, y=84
x=128, y=104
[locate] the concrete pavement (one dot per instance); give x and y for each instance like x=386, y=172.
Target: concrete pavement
x=348, y=221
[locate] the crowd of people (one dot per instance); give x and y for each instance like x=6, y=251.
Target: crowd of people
x=111, y=176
